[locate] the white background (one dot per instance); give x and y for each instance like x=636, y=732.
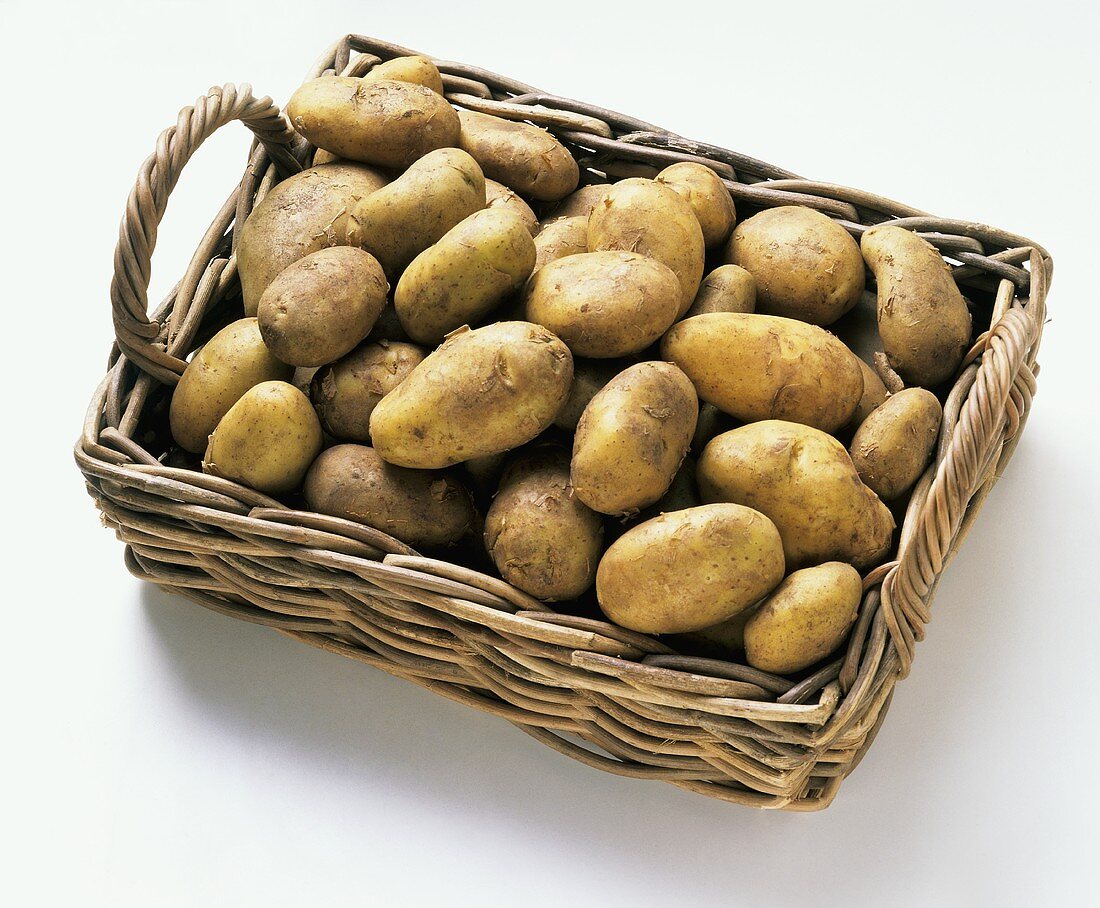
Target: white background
x=157, y=754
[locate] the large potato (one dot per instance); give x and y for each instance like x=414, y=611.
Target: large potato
x=729, y=288
x=416, y=69
x=482, y=392
x=709, y=199
x=589, y=376
x=922, y=316
x=541, y=538
x=465, y=275
x=763, y=367
x=652, y=219
x=418, y=507
x=501, y=198
x=232, y=361
x=806, y=618
x=382, y=122
x=559, y=238
x=604, y=304
x=805, y=482
x=632, y=437
x=521, y=156
x=894, y=444
x=690, y=569
x=805, y=264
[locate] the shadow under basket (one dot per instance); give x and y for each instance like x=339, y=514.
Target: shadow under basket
x=616, y=700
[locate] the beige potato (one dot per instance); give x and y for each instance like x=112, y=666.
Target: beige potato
x=482, y=392
x=728, y=288
x=632, y=438
x=922, y=317
x=499, y=197
x=523, y=157
x=604, y=304
x=708, y=197
x=690, y=569
x=589, y=376
x=560, y=238
x=805, y=482
x=874, y=395
x=267, y=440
x=345, y=393
x=651, y=219
x=577, y=204
x=464, y=276
x=764, y=367
x=320, y=156
x=805, y=619
x=419, y=507
x=805, y=264
x=894, y=444
x=232, y=361
x=722, y=639
x=683, y=493
x=416, y=69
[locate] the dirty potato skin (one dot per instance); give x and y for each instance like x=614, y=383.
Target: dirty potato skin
x=416, y=69
x=482, y=392
x=805, y=619
x=500, y=198
x=708, y=197
x=419, y=507
x=604, y=304
x=689, y=569
x=577, y=204
x=632, y=438
x=874, y=395
x=728, y=288
x=894, y=444
x=560, y=238
x=589, y=376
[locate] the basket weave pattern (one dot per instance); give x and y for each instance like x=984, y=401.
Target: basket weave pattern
x=613, y=699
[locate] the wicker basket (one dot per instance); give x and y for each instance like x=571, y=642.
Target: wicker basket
x=616, y=700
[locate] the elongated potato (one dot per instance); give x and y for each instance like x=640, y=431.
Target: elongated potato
x=763, y=367
x=709, y=199
x=689, y=569
x=482, y=392
x=589, y=376
x=500, y=198
x=894, y=444
x=805, y=482
x=416, y=69
x=560, y=238
x=729, y=288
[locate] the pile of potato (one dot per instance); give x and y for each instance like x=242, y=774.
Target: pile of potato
x=634, y=393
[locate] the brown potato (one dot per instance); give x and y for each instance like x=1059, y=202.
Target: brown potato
x=589, y=376
x=416, y=69
x=720, y=640
x=683, y=493
x=894, y=444
x=560, y=238
x=729, y=288
x=500, y=198
x=874, y=395
x=577, y=204
x=320, y=156
x=708, y=197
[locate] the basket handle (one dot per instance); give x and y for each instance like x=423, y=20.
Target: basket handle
x=139, y=337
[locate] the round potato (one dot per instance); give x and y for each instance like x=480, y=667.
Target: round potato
x=500, y=198
x=589, y=376
x=720, y=640
x=805, y=264
x=729, y=288
x=482, y=392
x=632, y=438
x=416, y=69
x=577, y=204
x=709, y=199
x=559, y=238
x=691, y=569
x=232, y=361
x=419, y=507
x=805, y=619
x=874, y=395
x=894, y=444
x=604, y=304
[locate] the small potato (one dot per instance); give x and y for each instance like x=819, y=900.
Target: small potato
x=321, y=306
x=541, y=538
x=232, y=361
x=382, y=122
x=683, y=493
x=577, y=204
x=894, y=444
x=484, y=472
x=691, y=569
x=523, y=157
x=267, y=440
x=874, y=395
x=805, y=264
x=604, y=304
x=464, y=276
x=416, y=506
x=320, y=156
x=805, y=619
x=632, y=438
x=708, y=197
x=806, y=483
x=482, y=392
x=712, y=422
x=560, y=238
x=651, y=219
x=728, y=288
x=416, y=69
x=345, y=393
x=589, y=376
x=764, y=367
x=720, y=640
x=499, y=197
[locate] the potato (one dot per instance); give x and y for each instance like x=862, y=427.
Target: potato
x=805, y=264
x=416, y=69
x=711, y=422
x=604, y=304
x=267, y=440
x=805, y=619
x=399, y=222
x=589, y=376
x=651, y=219
x=541, y=538
x=320, y=156
x=683, y=493
x=702, y=188
x=419, y=507
x=465, y=275
x=523, y=157
x=484, y=472
x=922, y=316
x=311, y=210
x=729, y=288
x=690, y=569
x=482, y=392
x=565, y=236
x=230, y=363
x=894, y=444
x=806, y=483
x=722, y=639
x=384, y=122
x=874, y=394
x=577, y=204
x=765, y=367
x=632, y=437
x=345, y=393
x=501, y=198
